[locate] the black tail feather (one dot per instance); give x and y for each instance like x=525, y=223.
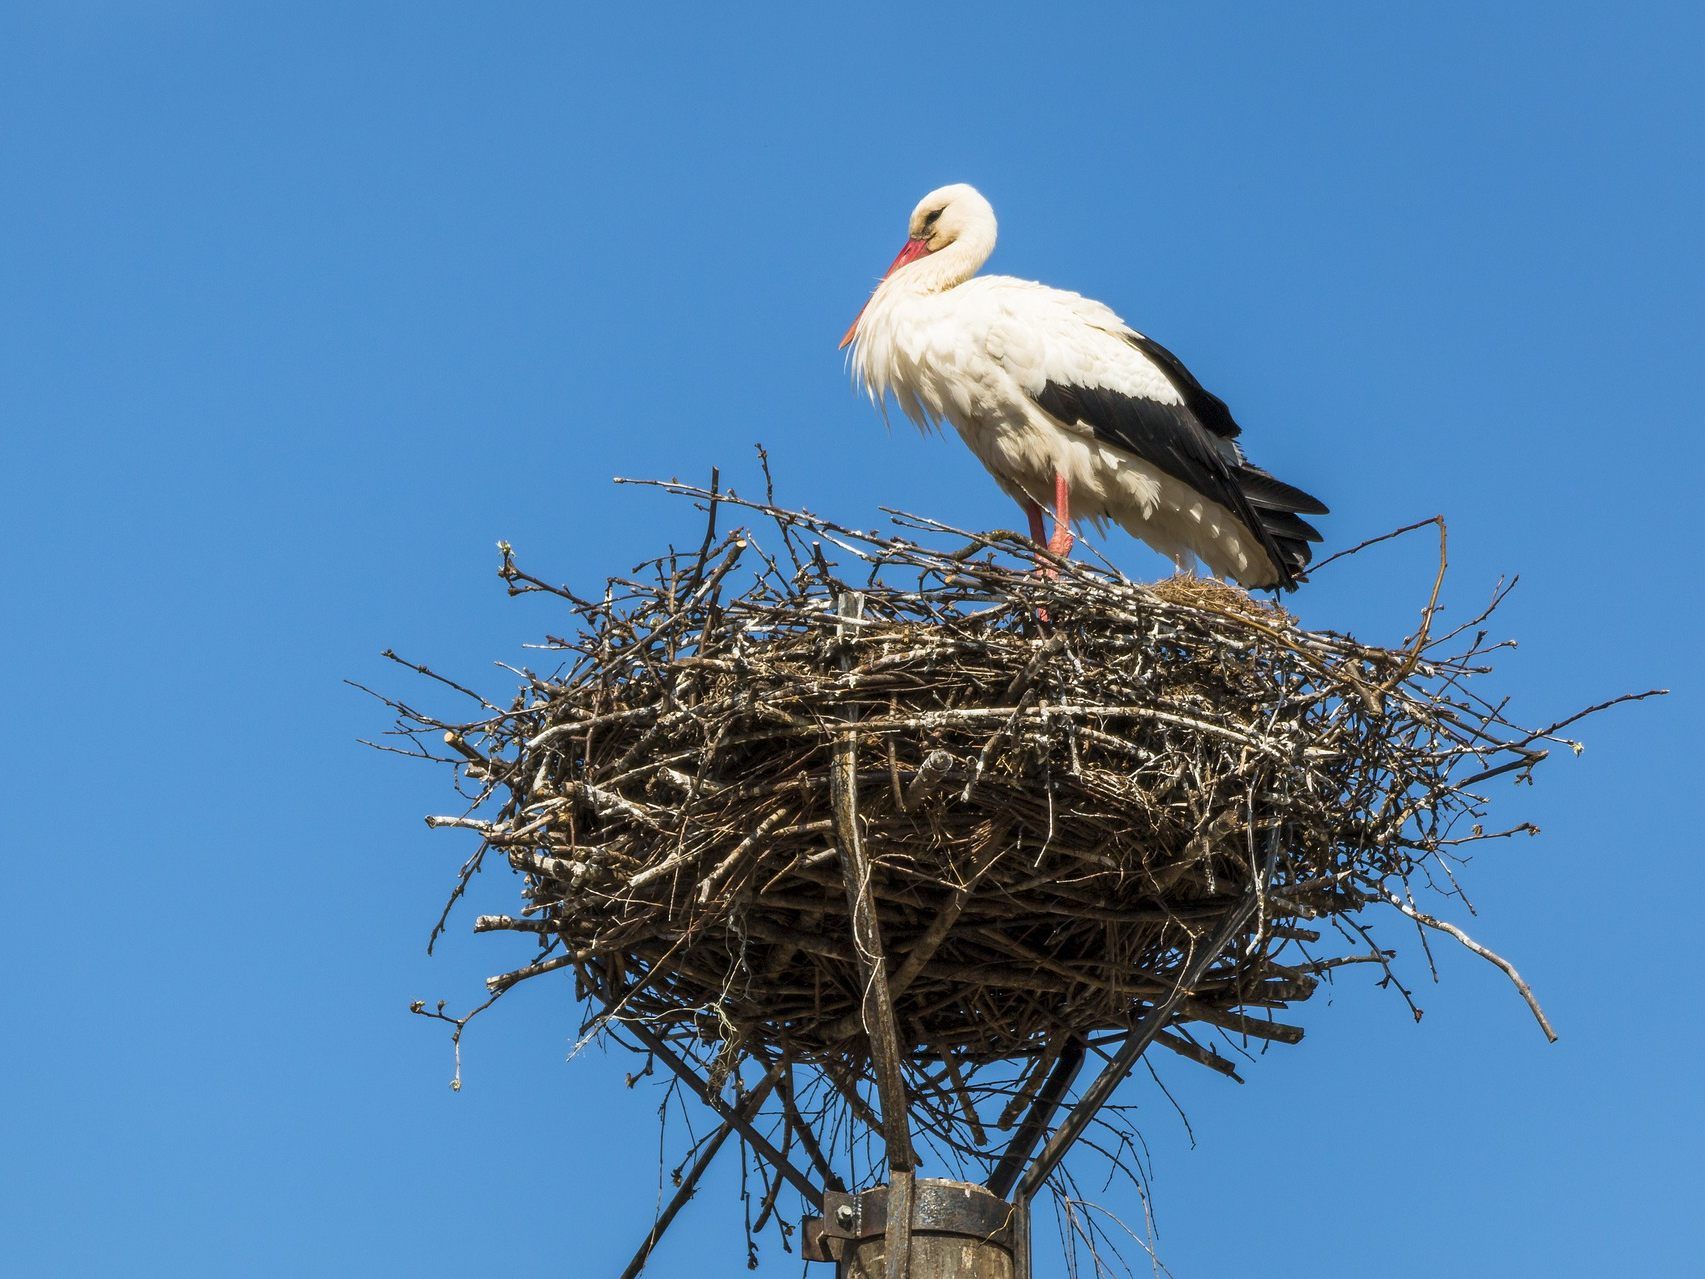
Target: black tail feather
x=1279, y=508
x=1266, y=491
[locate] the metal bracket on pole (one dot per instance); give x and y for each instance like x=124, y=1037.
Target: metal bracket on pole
x=938, y=1207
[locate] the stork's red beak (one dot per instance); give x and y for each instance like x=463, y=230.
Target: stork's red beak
x=914, y=250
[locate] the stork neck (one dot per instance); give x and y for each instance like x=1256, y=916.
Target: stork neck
x=949, y=266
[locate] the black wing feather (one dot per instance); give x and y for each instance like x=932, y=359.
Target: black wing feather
x=1192, y=442
x=1210, y=410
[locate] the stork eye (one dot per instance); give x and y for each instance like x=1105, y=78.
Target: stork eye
x=930, y=220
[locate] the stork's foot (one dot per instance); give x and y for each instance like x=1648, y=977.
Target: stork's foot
x=1061, y=545
x=1061, y=542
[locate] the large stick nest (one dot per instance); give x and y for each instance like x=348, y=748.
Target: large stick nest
x=1065, y=782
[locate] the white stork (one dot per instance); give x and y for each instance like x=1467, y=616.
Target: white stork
x=1069, y=407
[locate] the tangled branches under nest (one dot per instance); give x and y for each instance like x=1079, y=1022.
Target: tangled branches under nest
x=1059, y=811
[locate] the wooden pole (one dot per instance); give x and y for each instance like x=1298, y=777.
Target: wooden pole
x=935, y=1257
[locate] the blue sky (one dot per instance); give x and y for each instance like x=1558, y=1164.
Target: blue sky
x=305, y=307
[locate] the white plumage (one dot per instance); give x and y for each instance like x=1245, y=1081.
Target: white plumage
x=1067, y=406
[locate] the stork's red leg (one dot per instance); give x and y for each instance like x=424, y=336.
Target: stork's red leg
x=1061, y=542
x=1033, y=513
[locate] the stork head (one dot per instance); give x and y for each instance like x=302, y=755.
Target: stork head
x=953, y=215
